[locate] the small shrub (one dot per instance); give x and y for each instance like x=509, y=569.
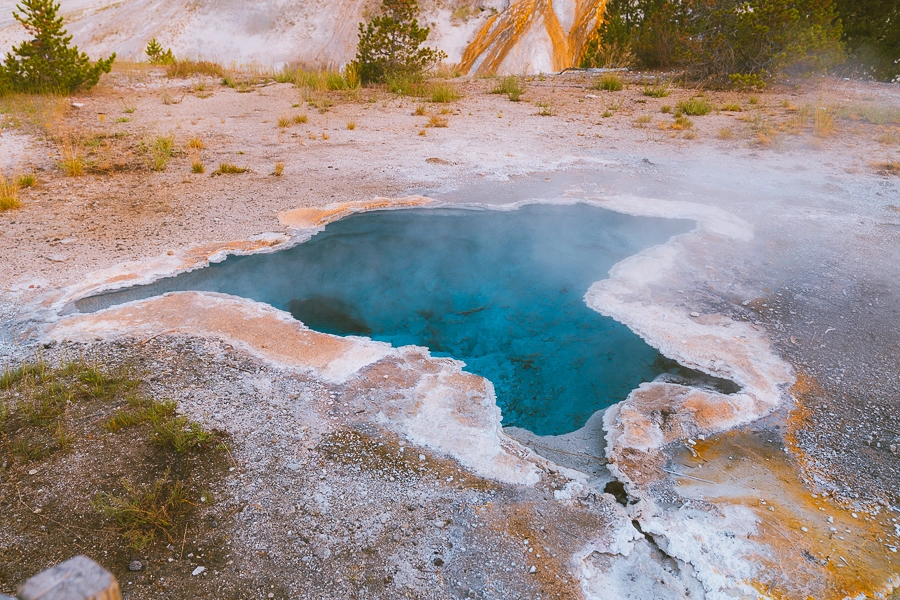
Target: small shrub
x=665, y=109
x=197, y=166
x=753, y=99
x=511, y=85
x=643, y=120
x=611, y=82
x=437, y=121
x=731, y=107
x=279, y=169
x=695, y=107
x=547, y=111
x=230, y=169
x=725, y=133
x=9, y=193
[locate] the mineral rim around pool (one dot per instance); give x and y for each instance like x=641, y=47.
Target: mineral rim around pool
x=502, y=291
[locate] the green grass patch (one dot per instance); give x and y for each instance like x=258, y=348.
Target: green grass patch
x=695, y=107
x=511, y=86
x=443, y=92
x=142, y=512
x=611, y=82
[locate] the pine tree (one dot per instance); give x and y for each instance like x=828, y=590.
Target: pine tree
x=392, y=43
x=46, y=63
x=157, y=55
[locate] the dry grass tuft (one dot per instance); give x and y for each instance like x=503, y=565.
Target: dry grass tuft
x=300, y=119
x=186, y=68
x=9, y=193
x=71, y=151
x=230, y=169
x=888, y=168
x=351, y=125
x=284, y=121
x=27, y=180
x=438, y=121
x=279, y=169
x=195, y=143
x=420, y=110
x=824, y=121
x=725, y=133
x=161, y=150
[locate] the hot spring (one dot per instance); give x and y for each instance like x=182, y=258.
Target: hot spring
x=501, y=290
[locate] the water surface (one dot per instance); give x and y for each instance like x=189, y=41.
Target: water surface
x=500, y=290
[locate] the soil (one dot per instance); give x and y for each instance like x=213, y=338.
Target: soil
x=821, y=278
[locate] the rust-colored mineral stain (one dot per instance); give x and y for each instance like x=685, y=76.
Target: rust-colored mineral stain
x=811, y=556
x=266, y=332
x=302, y=218
x=504, y=31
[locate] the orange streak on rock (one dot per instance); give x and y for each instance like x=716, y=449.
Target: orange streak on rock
x=751, y=469
x=302, y=218
x=265, y=331
x=503, y=32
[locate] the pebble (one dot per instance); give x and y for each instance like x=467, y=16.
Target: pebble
x=854, y=515
x=533, y=569
x=135, y=565
x=33, y=472
x=695, y=314
x=804, y=529
x=198, y=570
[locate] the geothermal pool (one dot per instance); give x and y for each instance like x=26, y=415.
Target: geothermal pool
x=501, y=290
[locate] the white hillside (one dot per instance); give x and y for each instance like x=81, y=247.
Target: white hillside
x=518, y=36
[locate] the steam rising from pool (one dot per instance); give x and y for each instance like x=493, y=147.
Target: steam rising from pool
x=500, y=290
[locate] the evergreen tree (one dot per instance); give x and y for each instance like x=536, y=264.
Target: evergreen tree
x=157, y=55
x=47, y=63
x=392, y=43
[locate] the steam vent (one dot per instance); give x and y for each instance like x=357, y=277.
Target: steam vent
x=493, y=36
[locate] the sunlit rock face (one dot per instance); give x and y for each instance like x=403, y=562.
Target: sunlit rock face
x=519, y=36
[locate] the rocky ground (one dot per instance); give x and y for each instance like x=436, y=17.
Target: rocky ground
x=310, y=499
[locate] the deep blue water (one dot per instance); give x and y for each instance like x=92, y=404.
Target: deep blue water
x=501, y=290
